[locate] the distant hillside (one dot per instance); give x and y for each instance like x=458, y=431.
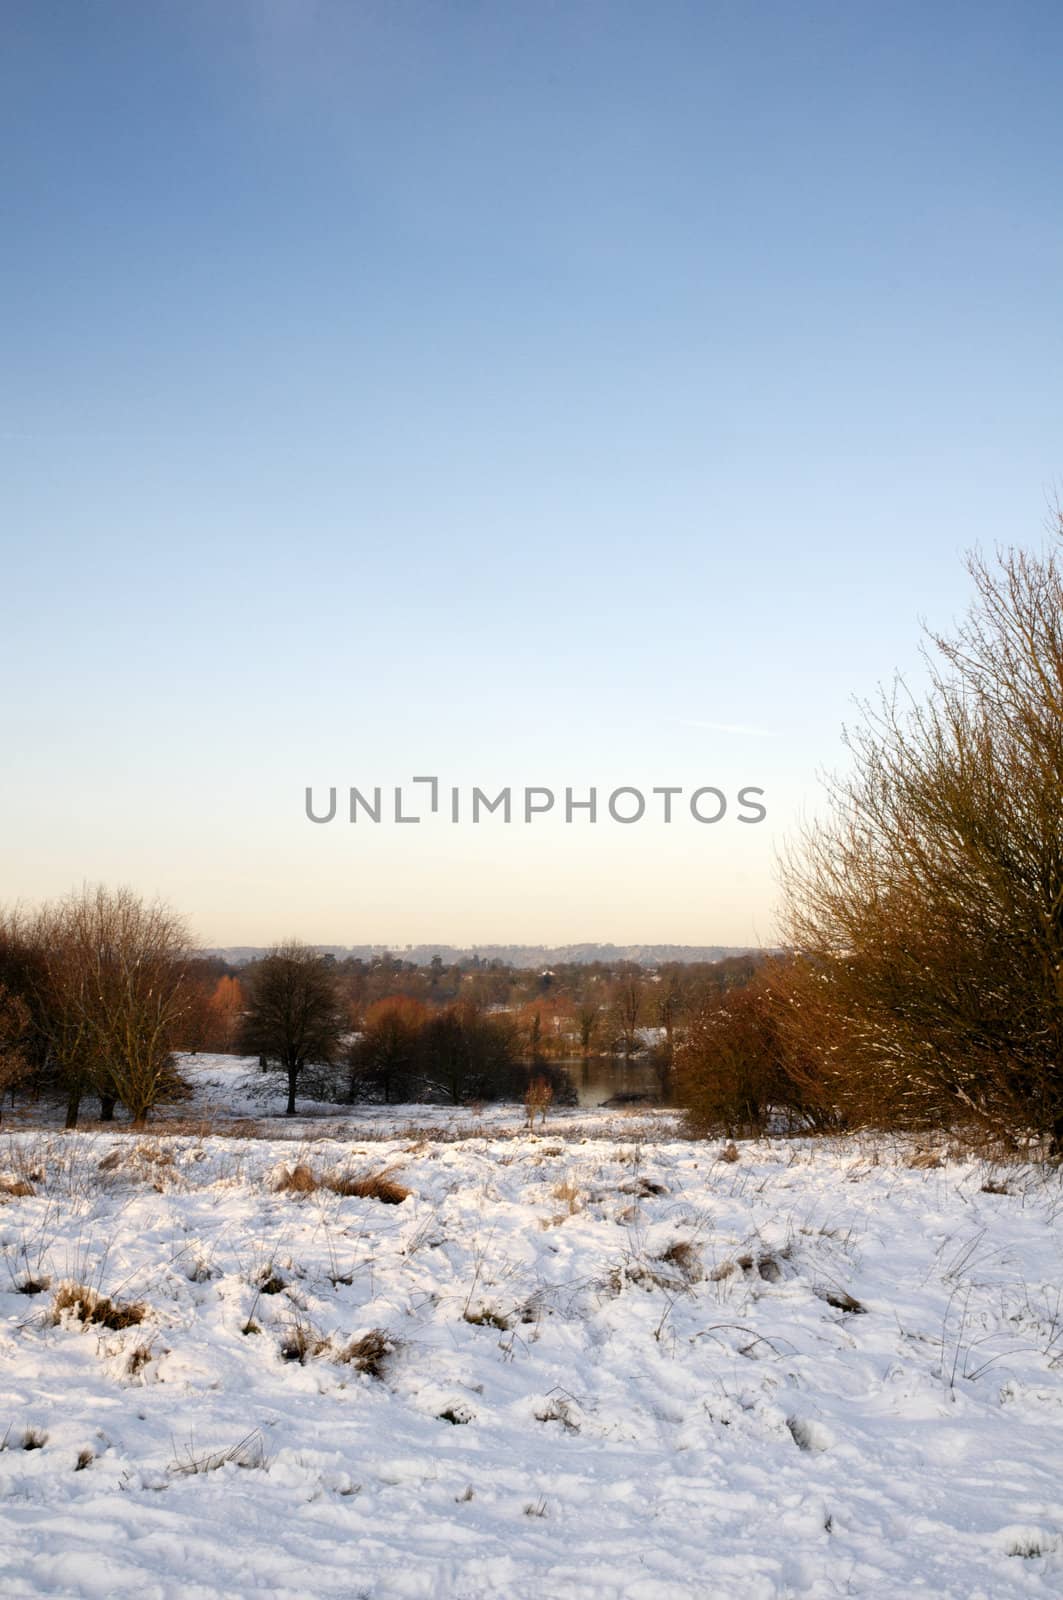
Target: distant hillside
x=512, y=955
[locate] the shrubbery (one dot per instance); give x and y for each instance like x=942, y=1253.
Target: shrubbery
x=927, y=907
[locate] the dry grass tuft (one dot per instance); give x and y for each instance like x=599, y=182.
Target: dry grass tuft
x=15, y=1188
x=34, y=1439
x=247, y=1452
x=138, y=1359
x=371, y=1353
x=154, y=1154
x=729, y=1151
x=556, y=1409
x=647, y=1274
x=216, y=1127
x=486, y=1318
x=840, y=1299
x=302, y=1179
x=568, y=1192
x=643, y=1189
x=147, y=1159
x=299, y=1179
x=378, y=1186
x=96, y=1310
x=301, y=1342
x=682, y=1254
x=85, y=1459
x=925, y=1158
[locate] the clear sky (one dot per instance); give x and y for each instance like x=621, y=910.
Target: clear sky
x=522, y=393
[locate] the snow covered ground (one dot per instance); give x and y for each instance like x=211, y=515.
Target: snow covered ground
x=231, y=1092
x=608, y=1365
x=225, y=1088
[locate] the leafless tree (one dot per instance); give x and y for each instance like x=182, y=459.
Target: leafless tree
x=628, y=1002
x=930, y=901
x=15, y=1035
x=121, y=976
x=589, y=1021
x=294, y=1015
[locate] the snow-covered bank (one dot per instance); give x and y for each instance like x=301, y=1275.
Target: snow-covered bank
x=609, y=1369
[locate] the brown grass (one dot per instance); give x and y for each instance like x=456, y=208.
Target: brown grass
x=96, y=1310
x=569, y=1192
x=15, y=1188
x=840, y=1299
x=301, y=1342
x=302, y=1179
x=299, y=1179
x=376, y=1187
x=729, y=1151
x=647, y=1275
x=486, y=1318
x=925, y=1158
x=209, y=1127
x=138, y=1359
x=643, y=1188
x=370, y=1354
x=683, y=1255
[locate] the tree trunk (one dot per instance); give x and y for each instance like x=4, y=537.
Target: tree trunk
x=73, y=1105
x=293, y=1073
x=107, y=1105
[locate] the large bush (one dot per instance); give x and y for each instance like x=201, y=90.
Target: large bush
x=930, y=900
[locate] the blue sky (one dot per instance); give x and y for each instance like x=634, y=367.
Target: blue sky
x=510, y=392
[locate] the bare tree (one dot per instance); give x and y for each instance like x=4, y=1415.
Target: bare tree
x=121, y=966
x=294, y=1015
x=63, y=1002
x=23, y=1037
x=628, y=1001
x=384, y=1056
x=588, y=1020
x=930, y=902
x=15, y=1036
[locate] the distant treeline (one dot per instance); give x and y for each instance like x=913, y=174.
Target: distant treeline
x=509, y=955
x=100, y=994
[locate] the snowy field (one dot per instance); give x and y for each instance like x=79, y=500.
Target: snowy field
x=232, y=1094
x=588, y=1363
